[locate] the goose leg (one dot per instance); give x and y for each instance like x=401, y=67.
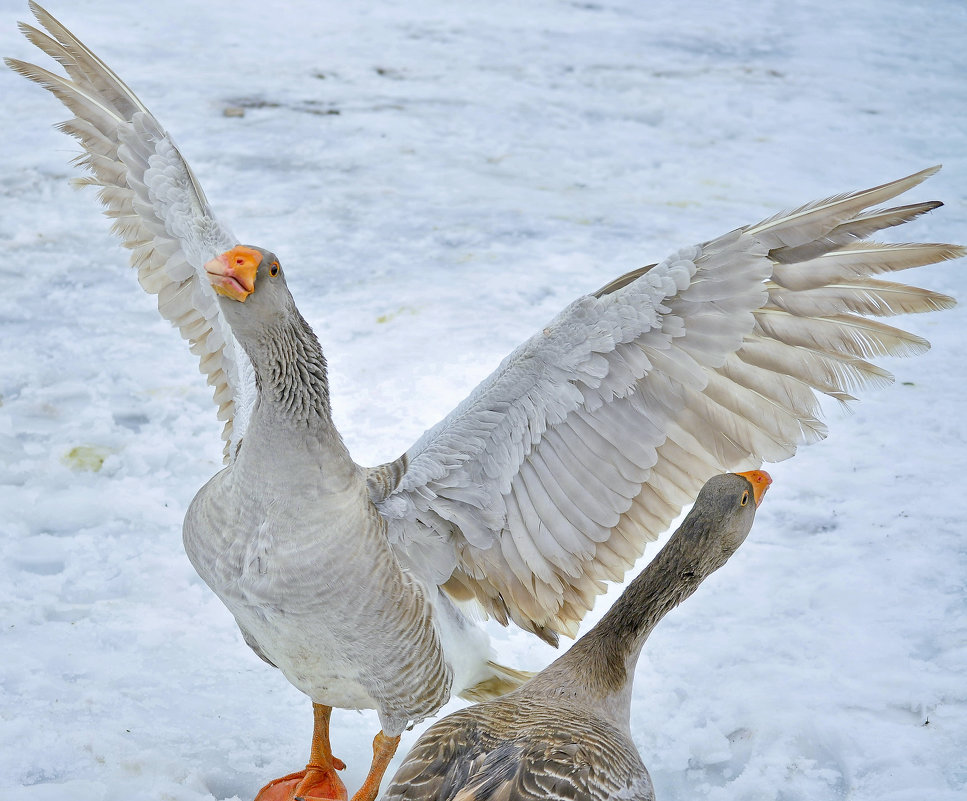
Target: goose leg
x=319, y=779
x=383, y=750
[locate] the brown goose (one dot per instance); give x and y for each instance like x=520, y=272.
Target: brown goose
x=566, y=734
x=544, y=484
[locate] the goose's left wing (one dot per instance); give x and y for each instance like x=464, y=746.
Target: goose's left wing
x=587, y=441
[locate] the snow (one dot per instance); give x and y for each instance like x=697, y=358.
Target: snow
x=439, y=179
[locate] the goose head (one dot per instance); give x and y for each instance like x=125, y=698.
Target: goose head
x=251, y=288
x=722, y=516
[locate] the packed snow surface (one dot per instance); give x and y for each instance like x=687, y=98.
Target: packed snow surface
x=439, y=179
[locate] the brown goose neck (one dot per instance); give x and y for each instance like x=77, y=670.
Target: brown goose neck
x=610, y=650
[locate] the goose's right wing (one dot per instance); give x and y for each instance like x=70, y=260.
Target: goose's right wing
x=159, y=210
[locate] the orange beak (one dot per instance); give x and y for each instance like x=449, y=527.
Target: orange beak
x=233, y=273
x=760, y=481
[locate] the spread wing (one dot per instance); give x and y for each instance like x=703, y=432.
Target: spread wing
x=159, y=210
x=550, y=478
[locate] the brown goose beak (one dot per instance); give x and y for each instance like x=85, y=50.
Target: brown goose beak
x=760, y=481
x=233, y=273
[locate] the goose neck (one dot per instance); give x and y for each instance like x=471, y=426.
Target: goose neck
x=599, y=668
x=291, y=375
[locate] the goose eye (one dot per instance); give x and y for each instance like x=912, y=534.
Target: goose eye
x=274, y=269
x=745, y=498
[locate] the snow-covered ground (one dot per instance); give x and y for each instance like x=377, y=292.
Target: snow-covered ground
x=439, y=179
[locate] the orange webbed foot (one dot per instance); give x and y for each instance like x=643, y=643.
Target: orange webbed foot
x=318, y=782
x=311, y=784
